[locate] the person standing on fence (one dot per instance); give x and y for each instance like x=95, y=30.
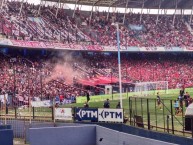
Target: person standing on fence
x=106, y=104
x=159, y=101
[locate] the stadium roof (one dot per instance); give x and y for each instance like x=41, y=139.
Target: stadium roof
x=165, y=4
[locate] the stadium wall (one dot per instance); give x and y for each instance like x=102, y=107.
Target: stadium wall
x=79, y=135
x=147, y=134
x=5, y=127
x=18, y=127
x=6, y=135
x=44, y=125
x=110, y=137
x=23, y=130
x=86, y=135
x=35, y=125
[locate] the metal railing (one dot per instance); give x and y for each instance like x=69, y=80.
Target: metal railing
x=146, y=113
x=140, y=112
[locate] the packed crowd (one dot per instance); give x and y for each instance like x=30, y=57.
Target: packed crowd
x=44, y=26
x=29, y=26
x=141, y=68
x=53, y=75
x=31, y=78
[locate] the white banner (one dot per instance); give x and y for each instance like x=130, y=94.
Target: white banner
x=152, y=49
x=46, y=103
x=65, y=101
x=110, y=115
x=3, y=97
x=63, y=113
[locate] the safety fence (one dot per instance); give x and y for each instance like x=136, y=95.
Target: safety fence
x=158, y=115
x=145, y=113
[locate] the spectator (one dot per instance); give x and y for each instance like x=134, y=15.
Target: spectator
x=158, y=101
x=186, y=96
x=88, y=96
x=176, y=106
x=86, y=105
x=64, y=28
x=106, y=104
x=118, y=105
x=181, y=93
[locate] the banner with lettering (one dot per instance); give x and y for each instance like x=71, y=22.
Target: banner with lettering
x=100, y=115
x=46, y=103
x=63, y=113
x=110, y=115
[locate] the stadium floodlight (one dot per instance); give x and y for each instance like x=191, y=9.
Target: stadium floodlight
x=119, y=62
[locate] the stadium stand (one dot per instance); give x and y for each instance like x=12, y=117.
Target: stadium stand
x=50, y=56
x=33, y=77
x=94, y=69
x=79, y=29
x=23, y=77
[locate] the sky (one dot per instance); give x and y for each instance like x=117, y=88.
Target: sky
x=34, y=1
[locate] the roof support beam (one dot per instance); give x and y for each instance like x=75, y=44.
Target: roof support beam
x=176, y=6
x=75, y=8
x=108, y=12
x=191, y=15
x=58, y=8
x=157, y=19
x=80, y=7
x=182, y=12
x=109, y=9
x=113, y=3
x=62, y=5
x=40, y=6
x=21, y=8
x=91, y=14
x=125, y=11
x=92, y=10
x=2, y=3
x=142, y=11
x=148, y=11
x=165, y=11
x=131, y=10
x=97, y=2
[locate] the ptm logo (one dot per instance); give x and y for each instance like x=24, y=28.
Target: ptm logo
x=87, y=113
x=111, y=114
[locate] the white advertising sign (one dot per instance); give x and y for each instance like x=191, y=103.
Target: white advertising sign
x=63, y=113
x=152, y=49
x=65, y=101
x=3, y=97
x=46, y=103
x=110, y=115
